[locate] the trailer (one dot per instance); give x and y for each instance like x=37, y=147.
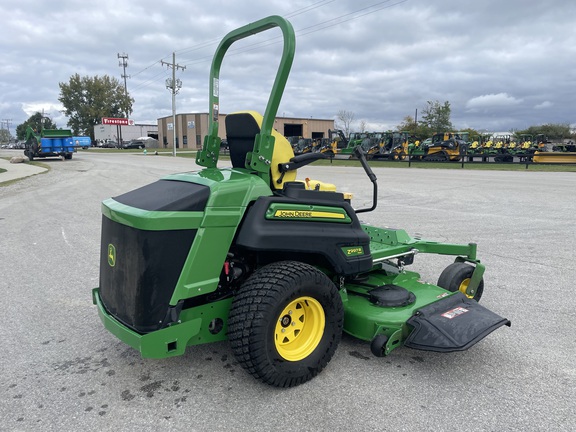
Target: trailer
x=50, y=143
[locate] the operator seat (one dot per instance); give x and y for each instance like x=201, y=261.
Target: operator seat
x=241, y=130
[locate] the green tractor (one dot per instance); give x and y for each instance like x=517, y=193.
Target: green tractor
x=417, y=149
x=251, y=255
x=354, y=140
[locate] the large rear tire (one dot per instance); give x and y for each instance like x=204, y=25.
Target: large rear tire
x=285, y=323
x=456, y=277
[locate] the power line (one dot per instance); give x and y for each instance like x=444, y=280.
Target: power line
x=338, y=20
x=308, y=8
x=218, y=39
x=289, y=15
x=150, y=80
x=300, y=32
x=303, y=31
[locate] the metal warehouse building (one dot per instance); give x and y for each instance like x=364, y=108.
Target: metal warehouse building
x=192, y=127
x=104, y=132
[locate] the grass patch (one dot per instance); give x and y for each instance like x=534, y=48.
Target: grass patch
x=41, y=165
x=113, y=150
x=184, y=154
x=478, y=166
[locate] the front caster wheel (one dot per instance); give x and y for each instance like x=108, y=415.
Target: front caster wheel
x=456, y=277
x=285, y=323
x=378, y=345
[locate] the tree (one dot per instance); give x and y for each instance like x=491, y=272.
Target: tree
x=437, y=117
x=362, y=126
x=36, y=121
x=87, y=99
x=473, y=134
x=415, y=130
x=345, y=119
x=552, y=131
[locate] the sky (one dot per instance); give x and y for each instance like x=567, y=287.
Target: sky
x=502, y=65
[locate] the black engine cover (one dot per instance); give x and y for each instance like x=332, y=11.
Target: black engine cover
x=308, y=238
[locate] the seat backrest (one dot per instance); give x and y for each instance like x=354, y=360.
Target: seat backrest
x=241, y=130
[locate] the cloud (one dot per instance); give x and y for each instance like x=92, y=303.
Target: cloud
x=492, y=101
x=544, y=105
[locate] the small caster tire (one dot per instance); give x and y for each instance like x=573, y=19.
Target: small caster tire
x=378, y=345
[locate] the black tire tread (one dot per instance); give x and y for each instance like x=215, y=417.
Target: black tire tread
x=259, y=295
x=454, y=274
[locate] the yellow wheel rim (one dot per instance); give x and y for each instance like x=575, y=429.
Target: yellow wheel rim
x=299, y=328
x=464, y=286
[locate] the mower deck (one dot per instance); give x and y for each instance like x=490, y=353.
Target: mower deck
x=403, y=310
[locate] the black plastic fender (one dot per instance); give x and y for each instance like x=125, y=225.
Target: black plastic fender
x=308, y=238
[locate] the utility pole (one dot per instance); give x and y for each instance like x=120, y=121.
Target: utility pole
x=7, y=121
x=174, y=85
x=123, y=63
x=42, y=118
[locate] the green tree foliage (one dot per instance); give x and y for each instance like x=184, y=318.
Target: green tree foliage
x=415, y=130
x=37, y=122
x=436, y=117
x=472, y=133
x=87, y=99
x=552, y=131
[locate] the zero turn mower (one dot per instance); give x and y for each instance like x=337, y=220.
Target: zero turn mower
x=252, y=255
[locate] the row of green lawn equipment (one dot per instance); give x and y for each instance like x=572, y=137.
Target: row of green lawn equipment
x=441, y=147
x=376, y=145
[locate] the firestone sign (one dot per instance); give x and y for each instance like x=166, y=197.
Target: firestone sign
x=117, y=121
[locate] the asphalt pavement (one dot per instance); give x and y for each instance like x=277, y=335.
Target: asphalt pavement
x=62, y=371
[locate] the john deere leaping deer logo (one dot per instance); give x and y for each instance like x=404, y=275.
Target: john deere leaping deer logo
x=111, y=255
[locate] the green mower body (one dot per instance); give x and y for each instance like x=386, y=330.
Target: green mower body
x=250, y=254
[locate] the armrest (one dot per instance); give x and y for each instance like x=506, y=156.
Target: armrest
x=300, y=161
